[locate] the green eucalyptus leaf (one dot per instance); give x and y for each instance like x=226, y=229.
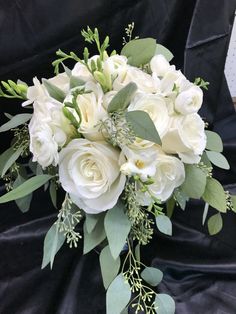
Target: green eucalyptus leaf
x=161, y=50
x=214, y=141
x=11, y=159
x=94, y=238
x=214, y=195
x=8, y=115
x=118, y=295
x=54, y=91
x=4, y=157
x=15, y=121
x=206, y=160
x=218, y=160
x=164, y=224
x=91, y=221
x=53, y=193
x=24, y=202
x=233, y=199
x=75, y=82
x=143, y=126
x=170, y=206
x=164, y=304
x=52, y=244
x=109, y=266
x=117, y=227
x=139, y=51
x=215, y=224
x=181, y=198
x=152, y=276
x=25, y=188
x=122, y=99
x=195, y=181
x=205, y=212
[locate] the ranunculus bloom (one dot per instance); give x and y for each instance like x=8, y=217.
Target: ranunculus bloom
x=90, y=173
x=160, y=66
x=189, y=100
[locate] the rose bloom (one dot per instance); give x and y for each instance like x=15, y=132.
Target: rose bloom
x=186, y=137
x=189, y=100
x=90, y=173
x=160, y=66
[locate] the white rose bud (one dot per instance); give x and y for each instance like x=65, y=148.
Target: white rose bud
x=90, y=173
x=160, y=65
x=189, y=101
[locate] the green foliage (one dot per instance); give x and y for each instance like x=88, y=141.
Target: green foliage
x=164, y=304
x=53, y=193
x=180, y=198
x=205, y=212
x=152, y=276
x=218, y=160
x=117, y=227
x=15, y=121
x=118, y=295
x=91, y=221
x=25, y=188
x=109, y=266
x=24, y=202
x=52, y=244
x=54, y=91
x=75, y=82
x=62, y=56
x=201, y=83
x=143, y=126
x=195, y=181
x=122, y=99
x=164, y=224
x=139, y=51
x=215, y=224
x=4, y=157
x=233, y=200
x=214, y=195
x=161, y=50
x=14, y=90
x=214, y=141
x=11, y=159
x=129, y=33
x=170, y=206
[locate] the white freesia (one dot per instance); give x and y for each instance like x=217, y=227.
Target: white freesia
x=81, y=71
x=90, y=173
x=186, y=137
x=115, y=65
x=160, y=65
x=189, y=100
x=172, y=80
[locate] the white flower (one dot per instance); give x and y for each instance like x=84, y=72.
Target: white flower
x=114, y=65
x=107, y=98
x=170, y=81
x=186, y=137
x=81, y=71
x=156, y=107
x=160, y=65
x=190, y=100
x=90, y=173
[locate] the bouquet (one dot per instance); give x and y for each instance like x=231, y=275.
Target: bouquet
x=120, y=137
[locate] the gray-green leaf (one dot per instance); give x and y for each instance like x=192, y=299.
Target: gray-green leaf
x=91, y=221
x=164, y=224
x=75, y=82
x=24, y=202
x=139, y=51
x=161, y=50
x=53, y=193
x=11, y=159
x=170, y=206
x=214, y=141
x=215, y=224
x=16, y=121
x=233, y=199
x=195, y=181
x=143, y=126
x=118, y=295
x=52, y=244
x=214, y=195
x=164, y=304
x=117, y=227
x=93, y=239
x=109, y=266
x=218, y=159
x=205, y=212
x=122, y=99
x=25, y=188
x=54, y=91
x=152, y=276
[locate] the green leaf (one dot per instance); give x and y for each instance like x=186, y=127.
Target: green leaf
x=117, y=227
x=118, y=295
x=122, y=99
x=206, y=160
x=170, y=206
x=4, y=157
x=233, y=199
x=214, y=195
x=24, y=202
x=54, y=91
x=218, y=160
x=75, y=82
x=139, y=51
x=109, y=266
x=181, y=198
x=143, y=126
x=215, y=224
x=11, y=159
x=214, y=141
x=25, y=188
x=91, y=221
x=195, y=181
x=137, y=252
x=93, y=239
x=152, y=276
x=164, y=224
x=161, y=50
x=52, y=244
x=16, y=121
x=53, y=193
x=164, y=304
x=205, y=212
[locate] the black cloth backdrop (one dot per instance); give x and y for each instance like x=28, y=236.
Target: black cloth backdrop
x=199, y=270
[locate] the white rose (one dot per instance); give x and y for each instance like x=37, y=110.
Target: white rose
x=189, y=101
x=114, y=65
x=171, y=80
x=156, y=107
x=90, y=173
x=160, y=65
x=186, y=137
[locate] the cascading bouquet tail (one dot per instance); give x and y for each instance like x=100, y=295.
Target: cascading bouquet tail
x=120, y=134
